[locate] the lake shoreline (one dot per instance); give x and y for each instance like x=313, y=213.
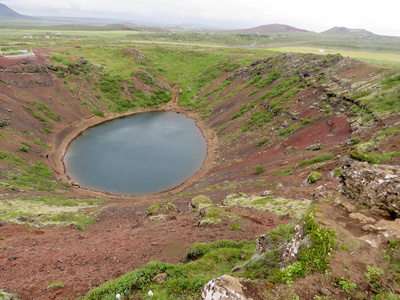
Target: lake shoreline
x=67, y=135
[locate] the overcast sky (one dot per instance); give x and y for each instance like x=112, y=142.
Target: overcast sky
x=380, y=17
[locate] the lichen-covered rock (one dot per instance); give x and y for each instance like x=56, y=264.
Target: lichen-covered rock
x=6, y=296
x=200, y=202
x=159, y=207
x=291, y=253
x=210, y=222
x=225, y=287
x=377, y=186
x=279, y=206
x=312, y=178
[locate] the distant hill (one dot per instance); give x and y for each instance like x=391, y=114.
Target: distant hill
x=347, y=31
x=8, y=13
x=271, y=29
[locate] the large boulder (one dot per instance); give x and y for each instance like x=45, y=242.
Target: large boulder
x=225, y=287
x=376, y=186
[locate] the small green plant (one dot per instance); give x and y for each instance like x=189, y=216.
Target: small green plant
x=314, y=177
x=236, y=227
x=259, y=170
x=45, y=131
x=24, y=148
x=337, y=172
x=284, y=172
x=354, y=140
x=262, y=141
x=54, y=284
x=347, y=285
x=374, y=275
x=98, y=113
x=39, y=143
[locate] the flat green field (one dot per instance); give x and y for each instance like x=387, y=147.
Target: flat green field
x=372, y=57
x=35, y=32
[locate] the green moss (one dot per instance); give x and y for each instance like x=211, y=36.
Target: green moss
x=314, y=177
x=279, y=206
x=213, y=211
x=201, y=202
x=158, y=207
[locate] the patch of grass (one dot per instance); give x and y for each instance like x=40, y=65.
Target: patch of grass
x=290, y=129
x=320, y=158
x=314, y=177
x=314, y=258
x=222, y=128
x=98, y=113
x=39, y=117
x=54, y=284
x=46, y=109
x=185, y=281
x=11, y=159
x=284, y=172
x=236, y=227
x=34, y=175
x=259, y=170
x=63, y=60
x=45, y=131
x=262, y=141
x=280, y=88
x=267, y=80
x=39, y=143
x=259, y=118
x=213, y=211
x=24, y=148
x=5, y=137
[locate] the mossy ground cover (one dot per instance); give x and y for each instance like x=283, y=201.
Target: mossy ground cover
x=296, y=209
x=48, y=210
x=185, y=281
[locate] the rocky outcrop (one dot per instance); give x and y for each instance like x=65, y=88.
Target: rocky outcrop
x=223, y=288
x=376, y=186
x=291, y=253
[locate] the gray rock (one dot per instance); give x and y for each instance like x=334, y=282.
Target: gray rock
x=376, y=186
x=292, y=250
x=225, y=287
x=161, y=278
x=362, y=218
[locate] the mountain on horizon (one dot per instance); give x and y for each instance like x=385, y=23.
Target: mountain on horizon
x=272, y=29
x=8, y=13
x=346, y=31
